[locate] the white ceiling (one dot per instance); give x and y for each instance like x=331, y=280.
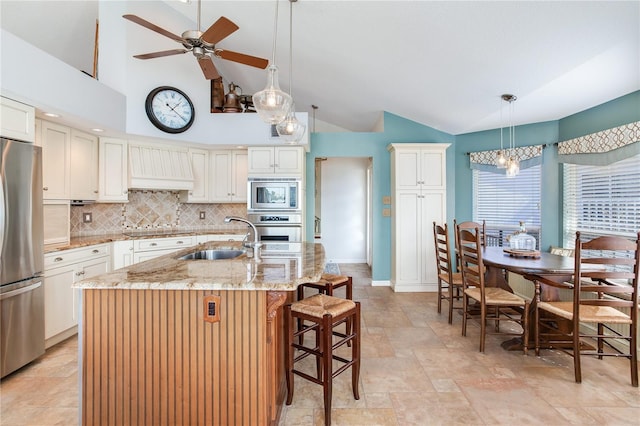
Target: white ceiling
x=442, y=64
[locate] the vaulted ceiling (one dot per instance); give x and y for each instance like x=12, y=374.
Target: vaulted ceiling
x=442, y=64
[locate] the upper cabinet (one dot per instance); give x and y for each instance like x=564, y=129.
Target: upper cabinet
x=200, y=165
x=276, y=160
x=83, y=175
x=420, y=167
x=112, y=170
x=228, y=176
x=18, y=120
x=56, y=160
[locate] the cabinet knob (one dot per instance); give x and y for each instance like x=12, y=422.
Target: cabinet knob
x=79, y=273
x=57, y=259
x=125, y=192
x=153, y=244
x=130, y=248
x=95, y=251
x=46, y=188
x=190, y=192
x=179, y=242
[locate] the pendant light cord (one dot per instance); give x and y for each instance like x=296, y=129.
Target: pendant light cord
x=275, y=34
x=290, y=48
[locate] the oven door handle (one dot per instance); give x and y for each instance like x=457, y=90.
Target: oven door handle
x=13, y=293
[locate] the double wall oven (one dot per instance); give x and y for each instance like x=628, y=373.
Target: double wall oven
x=274, y=207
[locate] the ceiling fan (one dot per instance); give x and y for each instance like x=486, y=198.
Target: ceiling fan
x=201, y=44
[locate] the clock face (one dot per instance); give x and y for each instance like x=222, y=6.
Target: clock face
x=170, y=109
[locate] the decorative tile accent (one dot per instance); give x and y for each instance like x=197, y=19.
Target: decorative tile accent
x=152, y=210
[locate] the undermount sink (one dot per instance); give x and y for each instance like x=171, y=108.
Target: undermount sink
x=212, y=254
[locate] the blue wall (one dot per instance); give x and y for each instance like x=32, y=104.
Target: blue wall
x=625, y=109
x=374, y=145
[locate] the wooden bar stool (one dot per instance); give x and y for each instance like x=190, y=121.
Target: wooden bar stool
x=325, y=312
x=327, y=284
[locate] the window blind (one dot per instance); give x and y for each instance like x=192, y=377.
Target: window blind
x=601, y=200
x=505, y=202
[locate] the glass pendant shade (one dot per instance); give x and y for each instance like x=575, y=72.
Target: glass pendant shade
x=501, y=160
x=291, y=129
x=513, y=167
x=272, y=104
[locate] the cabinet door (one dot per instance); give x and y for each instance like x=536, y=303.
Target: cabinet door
x=18, y=120
x=288, y=160
x=59, y=313
x=56, y=141
x=432, y=169
x=408, y=238
x=407, y=169
x=239, y=178
x=220, y=176
x=432, y=210
x=112, y=170
x=146, y=255
x=122, y=254
x=200, y=165
x=261, y=160
x=84, y=166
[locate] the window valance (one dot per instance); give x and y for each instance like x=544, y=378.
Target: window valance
x=602, y=148
x=529, y=156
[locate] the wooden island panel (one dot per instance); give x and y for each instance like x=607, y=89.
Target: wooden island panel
x=149, y=357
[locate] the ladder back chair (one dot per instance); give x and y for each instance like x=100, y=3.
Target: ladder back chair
x=496, y=304
x=449, y=282
x=604, y=305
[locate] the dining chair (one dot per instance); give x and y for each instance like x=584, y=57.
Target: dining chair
x=604, y=305
x=496, y=304
x=448, y=280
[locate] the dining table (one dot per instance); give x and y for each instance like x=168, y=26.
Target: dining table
x=531, y=266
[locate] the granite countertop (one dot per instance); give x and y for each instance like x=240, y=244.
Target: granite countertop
x=76, y=242
x=276, y=271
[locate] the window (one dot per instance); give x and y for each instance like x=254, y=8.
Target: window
x=601, y=200
x=505, y=202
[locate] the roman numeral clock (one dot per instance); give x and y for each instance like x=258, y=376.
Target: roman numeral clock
x=170, y=109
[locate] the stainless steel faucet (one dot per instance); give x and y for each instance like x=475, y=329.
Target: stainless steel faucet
x=256, y=242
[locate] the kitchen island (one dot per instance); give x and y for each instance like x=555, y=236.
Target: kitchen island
x=171, y=341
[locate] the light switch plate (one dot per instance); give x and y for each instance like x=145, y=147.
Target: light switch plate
x=386, y=200
x=202, y=215
x=386, y=212
x=87, y=217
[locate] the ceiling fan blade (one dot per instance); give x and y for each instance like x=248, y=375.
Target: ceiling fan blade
x=253, y=61
x=160, y=54
x=153, y=27
x=220, y=29
x=208, y=68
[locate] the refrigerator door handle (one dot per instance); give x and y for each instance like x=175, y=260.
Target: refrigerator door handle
x=2, y=213
x=13, y=293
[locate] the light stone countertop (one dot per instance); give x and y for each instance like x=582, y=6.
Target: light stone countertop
x=276, y=271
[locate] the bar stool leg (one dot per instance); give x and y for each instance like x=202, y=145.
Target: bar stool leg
x=327, y=358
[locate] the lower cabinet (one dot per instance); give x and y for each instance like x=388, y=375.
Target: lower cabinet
x=153, y=247
x=122, y=254
x=62, y=270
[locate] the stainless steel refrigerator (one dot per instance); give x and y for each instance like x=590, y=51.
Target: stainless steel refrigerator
x=21, y=255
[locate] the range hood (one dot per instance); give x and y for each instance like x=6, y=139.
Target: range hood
x=159, y=167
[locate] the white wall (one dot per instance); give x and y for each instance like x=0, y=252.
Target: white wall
x=344, y=213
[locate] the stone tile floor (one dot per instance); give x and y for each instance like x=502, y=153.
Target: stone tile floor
x=416, y=370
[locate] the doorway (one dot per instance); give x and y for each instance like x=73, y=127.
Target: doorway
x=343, y=208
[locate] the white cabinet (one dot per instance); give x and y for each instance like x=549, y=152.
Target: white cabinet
x=56, y=160
x=62, y=270
x=83, y=175
x=228, y=176
x=122, y=254
x=112, y=170
x=276, y=160
x=418, y=185
x=150, y=248
x=200, y=165
x=18, y=120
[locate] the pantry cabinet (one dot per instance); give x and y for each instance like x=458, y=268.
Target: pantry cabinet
x=228, y=176
x=61, y=270
x=112, y=170
x=276, y=160
x=18, y=120
x=418, y=185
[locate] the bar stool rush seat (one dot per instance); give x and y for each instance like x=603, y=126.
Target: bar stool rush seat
x=325, y=312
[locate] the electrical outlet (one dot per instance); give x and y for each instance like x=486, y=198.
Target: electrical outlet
x=386, y=212
x=211, y=312
x=202, y=215
x=87, y=217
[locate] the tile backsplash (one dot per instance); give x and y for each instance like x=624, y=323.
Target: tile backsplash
x=151, y=210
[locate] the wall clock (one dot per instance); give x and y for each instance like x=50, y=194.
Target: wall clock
x=170, y=109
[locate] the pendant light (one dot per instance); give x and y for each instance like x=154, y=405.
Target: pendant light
x=290, y=129
x=271, y=103
x=513, y=163
x=501, y=159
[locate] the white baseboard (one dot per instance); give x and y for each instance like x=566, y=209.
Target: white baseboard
x=380, y=283
x=415, y=288
x=346, y=260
